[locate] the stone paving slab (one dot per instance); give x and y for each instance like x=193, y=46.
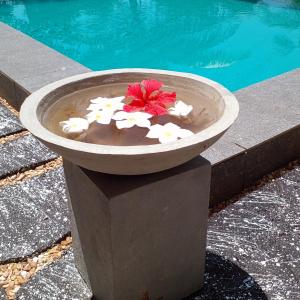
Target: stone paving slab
x=253, y=251
x=61, y=280
x=2, y=295
x=260, y=234
x=224, y=280
x=24, y=152
x=58, y=281
x=9, y=123
x=33, y=215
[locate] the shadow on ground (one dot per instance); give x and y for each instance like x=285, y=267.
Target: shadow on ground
x=225, y=280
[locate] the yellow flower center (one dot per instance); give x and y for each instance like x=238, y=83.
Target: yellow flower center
x=168, y=134
x=108, y=105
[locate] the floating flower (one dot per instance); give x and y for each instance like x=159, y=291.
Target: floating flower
x=180, y=109
x=74, y=125
x=107, y=104
x=128, y=120
x=147, y=96
x=167, y=133
x=99, y=116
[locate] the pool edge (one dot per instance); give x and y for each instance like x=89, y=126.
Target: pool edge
x=249, y=150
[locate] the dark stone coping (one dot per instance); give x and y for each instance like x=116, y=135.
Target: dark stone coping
x=27, y=65
x=264, y=138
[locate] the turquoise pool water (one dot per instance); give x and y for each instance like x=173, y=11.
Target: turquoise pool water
x=235, y=42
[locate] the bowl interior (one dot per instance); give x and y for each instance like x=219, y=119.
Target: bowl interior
x=71, y=100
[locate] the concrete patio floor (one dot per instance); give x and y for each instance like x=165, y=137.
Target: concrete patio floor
x=253, y=247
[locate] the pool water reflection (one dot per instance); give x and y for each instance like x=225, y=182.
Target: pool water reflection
x=235, y=42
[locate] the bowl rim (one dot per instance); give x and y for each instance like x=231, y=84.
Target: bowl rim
x=29, y=118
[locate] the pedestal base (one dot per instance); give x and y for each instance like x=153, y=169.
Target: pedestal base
x=141, y=236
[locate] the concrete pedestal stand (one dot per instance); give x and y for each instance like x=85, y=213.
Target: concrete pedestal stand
x=142, y=237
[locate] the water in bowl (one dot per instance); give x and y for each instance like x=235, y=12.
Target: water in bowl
x=205, y=113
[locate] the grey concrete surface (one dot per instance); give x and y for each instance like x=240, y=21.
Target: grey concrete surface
x=22, y=153
x=58, y=281
x=264, y=138
x=267, y=109
x=9, y=123
x=29, y=72
x=33, y=215
x=142, y=235
x=222, y=150
x=2, y=295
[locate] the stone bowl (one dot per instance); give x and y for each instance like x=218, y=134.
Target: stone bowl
x=129, y=160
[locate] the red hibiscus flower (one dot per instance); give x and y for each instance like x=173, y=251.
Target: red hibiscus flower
x=147, y=96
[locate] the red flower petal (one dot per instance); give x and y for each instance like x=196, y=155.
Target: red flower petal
x=151, y=86
x=137, y=103
x=129, y=108
x=166, y=98
x=134, y=90
x=155, y=109
x=134, y=105
x=147, y=96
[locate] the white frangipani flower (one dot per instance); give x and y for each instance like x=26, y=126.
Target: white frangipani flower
x=99, y=116
x=107, y=104
x=130, y=119
x=74, y=125
x=180, y=109
x=167, y=133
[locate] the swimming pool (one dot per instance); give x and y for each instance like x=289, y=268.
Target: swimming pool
x=234, y=42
